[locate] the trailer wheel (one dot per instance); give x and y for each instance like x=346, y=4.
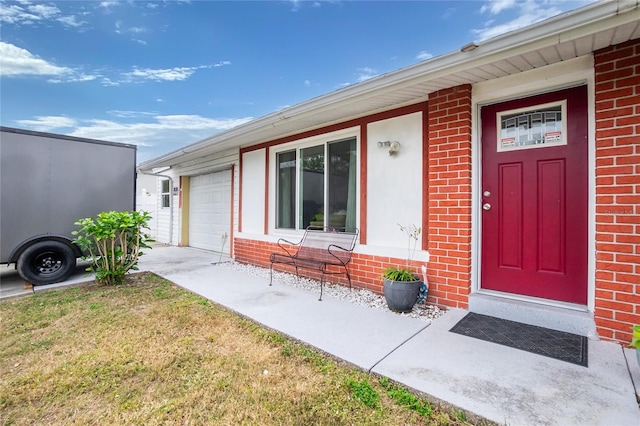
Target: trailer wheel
x=46, y=262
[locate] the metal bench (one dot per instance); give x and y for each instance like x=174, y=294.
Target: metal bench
x=319, y=249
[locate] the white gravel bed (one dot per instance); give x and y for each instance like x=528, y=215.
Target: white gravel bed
x=359, y=296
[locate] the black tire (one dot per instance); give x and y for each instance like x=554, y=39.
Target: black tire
x=46, y=262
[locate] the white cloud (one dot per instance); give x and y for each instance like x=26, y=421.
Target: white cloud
x=14, y=14
x=129, y=114
x=154, y=134
x=32, y=14
x=528, y=12
x=44, y=11
x=166, y=74
x=108, y=4
x=48, y=123
x=365, y=74
x=423, y=56
x=107, y=82
x=121, y=29
x=449, y=12
x=71, y=21
x=74, y=78
x=362, y=74
x=295, y=5
x=496, y=6
x=166, y=133
x=17, y=61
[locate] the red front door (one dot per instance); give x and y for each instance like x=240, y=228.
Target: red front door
x=535, y=196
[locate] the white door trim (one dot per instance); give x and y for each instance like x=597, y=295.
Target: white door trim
x=551, y=78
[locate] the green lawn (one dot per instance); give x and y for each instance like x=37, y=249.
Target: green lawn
x=148, y=352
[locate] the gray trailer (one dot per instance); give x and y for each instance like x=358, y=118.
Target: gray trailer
x=49, y=181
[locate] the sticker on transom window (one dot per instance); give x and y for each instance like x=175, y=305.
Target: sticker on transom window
x=533, y=127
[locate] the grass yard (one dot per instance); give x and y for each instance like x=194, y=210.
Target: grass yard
x=148, y=352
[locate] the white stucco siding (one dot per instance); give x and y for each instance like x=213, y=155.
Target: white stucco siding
x=253, y=181
x=394, y=184
x=164, y=217
x=147, y=200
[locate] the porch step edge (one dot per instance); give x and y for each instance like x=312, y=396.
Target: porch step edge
x=552, y=317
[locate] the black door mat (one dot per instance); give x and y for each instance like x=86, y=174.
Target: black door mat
x=538, y=340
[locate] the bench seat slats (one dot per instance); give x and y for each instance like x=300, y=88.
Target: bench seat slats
x=318, y=249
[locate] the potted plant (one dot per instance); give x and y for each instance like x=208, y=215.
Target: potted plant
x=317, y=221
x=402, y=286
x=635, y=341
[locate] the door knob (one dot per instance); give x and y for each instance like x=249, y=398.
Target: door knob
x=486, y=206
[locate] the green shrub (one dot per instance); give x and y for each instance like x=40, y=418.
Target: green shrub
x=113, y=242
x=635, y=337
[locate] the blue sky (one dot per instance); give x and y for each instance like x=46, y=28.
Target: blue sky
x=164, y=74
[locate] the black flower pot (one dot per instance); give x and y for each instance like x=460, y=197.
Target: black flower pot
x=401, y=295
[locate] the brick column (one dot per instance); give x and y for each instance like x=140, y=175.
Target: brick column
x=450, y=196
x=617, y=109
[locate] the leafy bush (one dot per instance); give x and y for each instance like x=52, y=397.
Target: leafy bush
x=113, y=242
x=635, y=337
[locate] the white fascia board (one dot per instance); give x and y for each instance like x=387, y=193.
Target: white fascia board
x=569, y=26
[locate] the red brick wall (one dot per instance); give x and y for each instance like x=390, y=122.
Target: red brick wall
x=617, y=304
x=450, y=196
x=365, y=270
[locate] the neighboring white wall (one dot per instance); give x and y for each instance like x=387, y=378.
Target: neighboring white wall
x=164, y=213
x=147, y=200
x=208, y=164
x=394, y=184
x=253, y=173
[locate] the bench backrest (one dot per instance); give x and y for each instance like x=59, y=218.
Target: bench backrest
x=319, y=244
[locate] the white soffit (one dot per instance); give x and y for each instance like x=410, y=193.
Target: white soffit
x=568, y=36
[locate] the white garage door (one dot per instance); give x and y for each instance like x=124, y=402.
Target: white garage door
x=210, y=211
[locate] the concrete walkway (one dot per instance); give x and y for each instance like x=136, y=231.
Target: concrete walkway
x=504, y=385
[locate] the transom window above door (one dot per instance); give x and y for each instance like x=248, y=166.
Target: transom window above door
x=316, y=186
x=537, y=127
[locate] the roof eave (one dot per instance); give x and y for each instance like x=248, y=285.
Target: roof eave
x=568, y=26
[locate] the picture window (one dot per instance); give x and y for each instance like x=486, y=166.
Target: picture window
x=316, y=186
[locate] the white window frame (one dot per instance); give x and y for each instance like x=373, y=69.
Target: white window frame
x=165, y=196
x=324, y=140
x=502, y=147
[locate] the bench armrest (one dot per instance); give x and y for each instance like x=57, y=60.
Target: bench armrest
x=339, y=251
x=282, y=241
